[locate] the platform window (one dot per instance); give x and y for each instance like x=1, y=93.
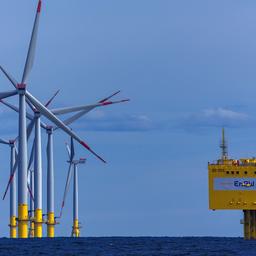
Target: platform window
x=245, y=172
x=227, y=172
x=238, y=172
x=232, y=172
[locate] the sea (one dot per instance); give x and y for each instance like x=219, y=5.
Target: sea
x=129, y=246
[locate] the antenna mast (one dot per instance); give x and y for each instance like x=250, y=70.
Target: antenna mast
x=223, y=146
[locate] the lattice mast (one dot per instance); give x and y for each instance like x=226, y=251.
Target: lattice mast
x=224, y=146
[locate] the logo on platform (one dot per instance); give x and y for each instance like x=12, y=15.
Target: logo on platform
x=234, y=184
x=245, y=183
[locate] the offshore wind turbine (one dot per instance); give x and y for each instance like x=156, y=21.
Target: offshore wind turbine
x=25, y=96
x=73, y=167
x=13, y=200
x=76, y=226
x=82, y=110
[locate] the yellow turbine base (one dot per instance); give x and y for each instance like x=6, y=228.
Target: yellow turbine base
x=50, y=225
x=76, y=229
x=23, y=220
x=13, y=225
x=38, y=223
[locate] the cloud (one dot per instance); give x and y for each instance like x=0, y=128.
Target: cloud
x=221, y=113
x=215, y=117
x=103, y=121
x=211, y=117
x=100, y=121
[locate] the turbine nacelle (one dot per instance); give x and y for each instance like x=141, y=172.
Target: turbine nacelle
x=21, y=86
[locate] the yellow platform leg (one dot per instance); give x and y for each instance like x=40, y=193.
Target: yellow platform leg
x=246, y=225
x=253, y=224
x=50, y=225
x=23, y=220
x=249, y=224
x=76, y=229
x=38, y=223
x=13, y=225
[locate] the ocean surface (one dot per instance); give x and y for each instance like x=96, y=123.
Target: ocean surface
x=126, y=246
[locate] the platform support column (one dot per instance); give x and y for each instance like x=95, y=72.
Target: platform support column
x=249, y=224
x=253, y=226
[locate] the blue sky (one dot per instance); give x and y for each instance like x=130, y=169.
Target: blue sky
x=188, y=68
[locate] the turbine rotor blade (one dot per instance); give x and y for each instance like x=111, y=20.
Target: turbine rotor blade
x=94, y=153
x=11, y=177
x=32, y=45
x=4, y=95
x=9, y=77
x=61, y=111
x=48, y=114
x=73, y=118
x=114, y=102
x=4, y=142
x=43, y=125
x=30, y=192
x=66, y=186
x=31, y=105
x=16, y=109
x=28, y=185
x=16, y=153
x=30, y=128
x=31, y=158
x=51, y=99
x=68, y=150
x=72, y=151
x=109, y=97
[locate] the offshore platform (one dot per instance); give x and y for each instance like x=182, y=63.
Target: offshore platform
x=232, y=186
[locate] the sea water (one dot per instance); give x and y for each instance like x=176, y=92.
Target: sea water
x=129, y=246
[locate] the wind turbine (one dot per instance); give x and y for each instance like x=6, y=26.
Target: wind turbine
x=13, y=210
x=25, y=96
x=73, y=166
x=76, y=226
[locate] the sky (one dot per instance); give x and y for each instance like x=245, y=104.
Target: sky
x=188, y=68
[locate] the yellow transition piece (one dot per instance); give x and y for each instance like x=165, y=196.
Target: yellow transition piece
x=50, y=224
x=13, y=226
x=76, y=229
x=38, y=223
x=23, y=220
